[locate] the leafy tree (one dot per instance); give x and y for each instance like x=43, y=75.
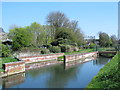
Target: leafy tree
x=104, y=39
x=64, y=33
x=57, y=20
x=38, y=33
x=113, y=40
x=5, y=51
x=21, y=38
x=62, y=27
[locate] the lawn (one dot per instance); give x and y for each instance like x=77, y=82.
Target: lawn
x=80, y=51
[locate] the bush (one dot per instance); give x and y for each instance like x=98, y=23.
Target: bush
x=55, y=49
x=5, y=51
x=45, y=51
x=75, y=48
x=92, y=45
x=65, y=48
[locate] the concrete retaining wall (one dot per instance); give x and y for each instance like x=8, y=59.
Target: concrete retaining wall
x=32, y=59
x=14, y=67
x=21, y=66
x=77, y=62
x=68, y=58
x=42, y=64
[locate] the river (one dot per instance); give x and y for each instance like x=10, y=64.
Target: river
x=56, y=76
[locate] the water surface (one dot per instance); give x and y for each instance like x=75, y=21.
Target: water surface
x=56, y=76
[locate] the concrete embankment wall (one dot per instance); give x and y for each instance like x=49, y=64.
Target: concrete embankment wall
x=68, y=65
x=22, y=65
x=41, y=64
x=69, y=58
x=13, y=68
x=46, y=57
x=30, y=62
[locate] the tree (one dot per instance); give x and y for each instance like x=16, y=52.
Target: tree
x=21, y=38
x=38, y=33
x=104, y=39
x=62, y=27
x=56, y=20
x=4, y=51
x=114, y=40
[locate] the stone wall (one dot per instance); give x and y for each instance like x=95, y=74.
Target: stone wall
x=68, y=58
x=14, y=67
x=45, y=57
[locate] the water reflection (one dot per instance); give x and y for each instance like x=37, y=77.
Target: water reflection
x=13, y=80
x=101, y=61
x=60, y=77
x=71, y=74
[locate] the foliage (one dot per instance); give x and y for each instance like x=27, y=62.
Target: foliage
x=92, y=45
x=5, y=51
x=108, y=76
x=55, y=49
x=38, y=34
x=45, y=51
x=114, y=40
x=65, y=48
x=62, y=27
x=105, y=40
x=61, y=41
x=21, y=38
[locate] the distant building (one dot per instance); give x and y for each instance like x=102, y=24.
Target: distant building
x=96, y=41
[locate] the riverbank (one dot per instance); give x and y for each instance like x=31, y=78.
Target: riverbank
x=31, y=62
x=108, y=76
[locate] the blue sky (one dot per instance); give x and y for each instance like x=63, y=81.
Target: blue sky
x=92, y=16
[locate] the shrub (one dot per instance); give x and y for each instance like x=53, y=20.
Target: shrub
x=75, y=48
x=5, y=51
x=55, y=49
x=92, y=45
x=65, y=48
x=45, y=51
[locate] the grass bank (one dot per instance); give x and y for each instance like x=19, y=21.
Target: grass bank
x=80, y=51
x=108, y=76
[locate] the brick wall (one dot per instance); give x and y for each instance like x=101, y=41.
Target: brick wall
x=32, y=59
x=14, y=67
x=74, y=57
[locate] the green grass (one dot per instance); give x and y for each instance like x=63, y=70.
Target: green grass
x=80, y=51
x=108, y=76
x=106, y=49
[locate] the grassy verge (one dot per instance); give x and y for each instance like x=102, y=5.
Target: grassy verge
x=108, y=76
x=80, y=51
x=106, y=49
